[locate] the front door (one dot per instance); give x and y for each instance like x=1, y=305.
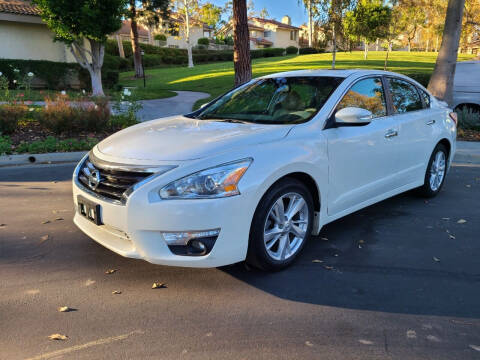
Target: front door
x=363, y=158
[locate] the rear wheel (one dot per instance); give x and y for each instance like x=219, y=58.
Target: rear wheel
x=281, y=225
x=436, y=171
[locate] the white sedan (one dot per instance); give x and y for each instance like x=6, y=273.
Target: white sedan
x=254, y=173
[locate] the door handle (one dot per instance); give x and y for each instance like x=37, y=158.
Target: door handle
x=391, y=133
x=431, y=122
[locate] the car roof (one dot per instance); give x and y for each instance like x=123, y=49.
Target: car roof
x=335, y=73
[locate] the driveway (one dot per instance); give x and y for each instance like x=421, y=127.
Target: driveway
x=180, y=104
x=397, y=280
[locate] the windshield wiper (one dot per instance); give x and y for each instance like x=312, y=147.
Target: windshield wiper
x=227, y=120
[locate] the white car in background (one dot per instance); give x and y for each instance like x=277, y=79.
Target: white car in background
x=253, y=174
x=466, y=86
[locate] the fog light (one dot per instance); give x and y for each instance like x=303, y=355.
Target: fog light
x=182, y=238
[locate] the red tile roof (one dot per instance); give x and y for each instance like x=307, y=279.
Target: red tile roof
x=18, y=7
x=126, y=26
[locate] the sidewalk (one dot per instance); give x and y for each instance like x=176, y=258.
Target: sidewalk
x=467, y=152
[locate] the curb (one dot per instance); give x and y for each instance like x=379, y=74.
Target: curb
x=48, y=158
x=461, y=156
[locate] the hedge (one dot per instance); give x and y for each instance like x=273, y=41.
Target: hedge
x=203, y=41
x=308, y=50
x=291, y=50
x=53, y=73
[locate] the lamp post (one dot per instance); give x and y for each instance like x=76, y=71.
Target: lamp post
x=143, y=69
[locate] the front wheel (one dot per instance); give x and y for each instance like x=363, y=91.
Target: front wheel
x=281, y=225
x=436, y=171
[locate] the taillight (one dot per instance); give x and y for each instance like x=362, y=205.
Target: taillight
x=454, y=117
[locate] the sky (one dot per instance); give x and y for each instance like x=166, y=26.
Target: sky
x=277, y=9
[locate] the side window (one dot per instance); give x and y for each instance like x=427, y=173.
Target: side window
x=366, y=94
x=426, y=98
x=405, y=96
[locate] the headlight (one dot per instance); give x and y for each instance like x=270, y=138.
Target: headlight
x=220, y=181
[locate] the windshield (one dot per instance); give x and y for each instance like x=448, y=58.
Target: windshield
x=280, y=100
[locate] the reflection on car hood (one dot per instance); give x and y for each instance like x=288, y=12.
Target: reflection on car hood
x=181, y=138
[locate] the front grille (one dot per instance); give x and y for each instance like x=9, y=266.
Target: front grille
x=108, y=183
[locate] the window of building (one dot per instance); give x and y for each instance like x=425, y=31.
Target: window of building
x=293, y=35
x=267, y=33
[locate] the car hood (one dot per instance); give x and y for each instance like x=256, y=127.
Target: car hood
x=180, y=138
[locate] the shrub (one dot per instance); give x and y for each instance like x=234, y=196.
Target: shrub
x=110, y=78
x=5, y=145
x=93, y=116
x=271, y=52
x=9, y=117
x=308, y=50
x=422, y=78
x=291, y=50
x=150, y=60
x=258, y=53
x=58, y=116
x=160, y=37
x=51, y=144
x=469, y=118
x=203, y=41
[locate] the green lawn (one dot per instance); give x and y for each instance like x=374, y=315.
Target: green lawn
x=216, y=78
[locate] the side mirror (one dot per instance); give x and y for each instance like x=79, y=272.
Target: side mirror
x=353, y=116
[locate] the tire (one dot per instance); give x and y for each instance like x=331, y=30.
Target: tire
x=266, y=230
x=430, y=189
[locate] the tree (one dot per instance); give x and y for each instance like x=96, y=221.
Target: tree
x=415, y=17
x=264, y=13
x=332, y=13
x=368, y=21
x=441, y=82
x=395, y=27
x=309, y=5
x=210, y=14
x=76, y=22
x=150, y=12
x=250, y=8
x=187, y=11
x=241, y=43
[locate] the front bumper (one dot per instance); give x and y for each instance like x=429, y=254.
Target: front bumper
x=134, y=229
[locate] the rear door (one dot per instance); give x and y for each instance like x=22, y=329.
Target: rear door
x=416, y=121
x=362, y=159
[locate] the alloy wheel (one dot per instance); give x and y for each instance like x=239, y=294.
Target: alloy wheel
x=286, y=226
x=437, y=171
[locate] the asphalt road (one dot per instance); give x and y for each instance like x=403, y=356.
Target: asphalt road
x=379, y=293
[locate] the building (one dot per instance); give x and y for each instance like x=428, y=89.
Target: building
x=172, y=29
x=23, y=34
x=266, y=33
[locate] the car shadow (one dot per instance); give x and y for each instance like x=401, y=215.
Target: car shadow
x=376, y=259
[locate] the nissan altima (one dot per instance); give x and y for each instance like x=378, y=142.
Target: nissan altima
x=256, y=172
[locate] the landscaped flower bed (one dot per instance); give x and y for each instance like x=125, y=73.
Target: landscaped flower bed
x=62, y=125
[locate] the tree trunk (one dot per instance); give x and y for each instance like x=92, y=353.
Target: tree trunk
x=365, y=49
x=409, y=45
x=428, y=45
x=93, y=65
x=436, y=44
x=187, y=38
x=389, y=47
x=376, y=44
x=137, y=56
x=121, y=52
x=241, y=43
x=334, y=46
x=441, y=82
x=310, y=16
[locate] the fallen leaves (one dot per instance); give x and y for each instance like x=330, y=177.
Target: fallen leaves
x=116, y=292
x=45, y=222
x=58, y=337
x=474, y=347
x=157, y=285
x=59, y=219
x=317, y=261
x=110, y=271
x=308, y=343
x=327, y=267
x=2, y=226
x=44, y=238
x=436, y=259
x=324, y=238
x=461, y=221
x=452, y=236
x=65, y=309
